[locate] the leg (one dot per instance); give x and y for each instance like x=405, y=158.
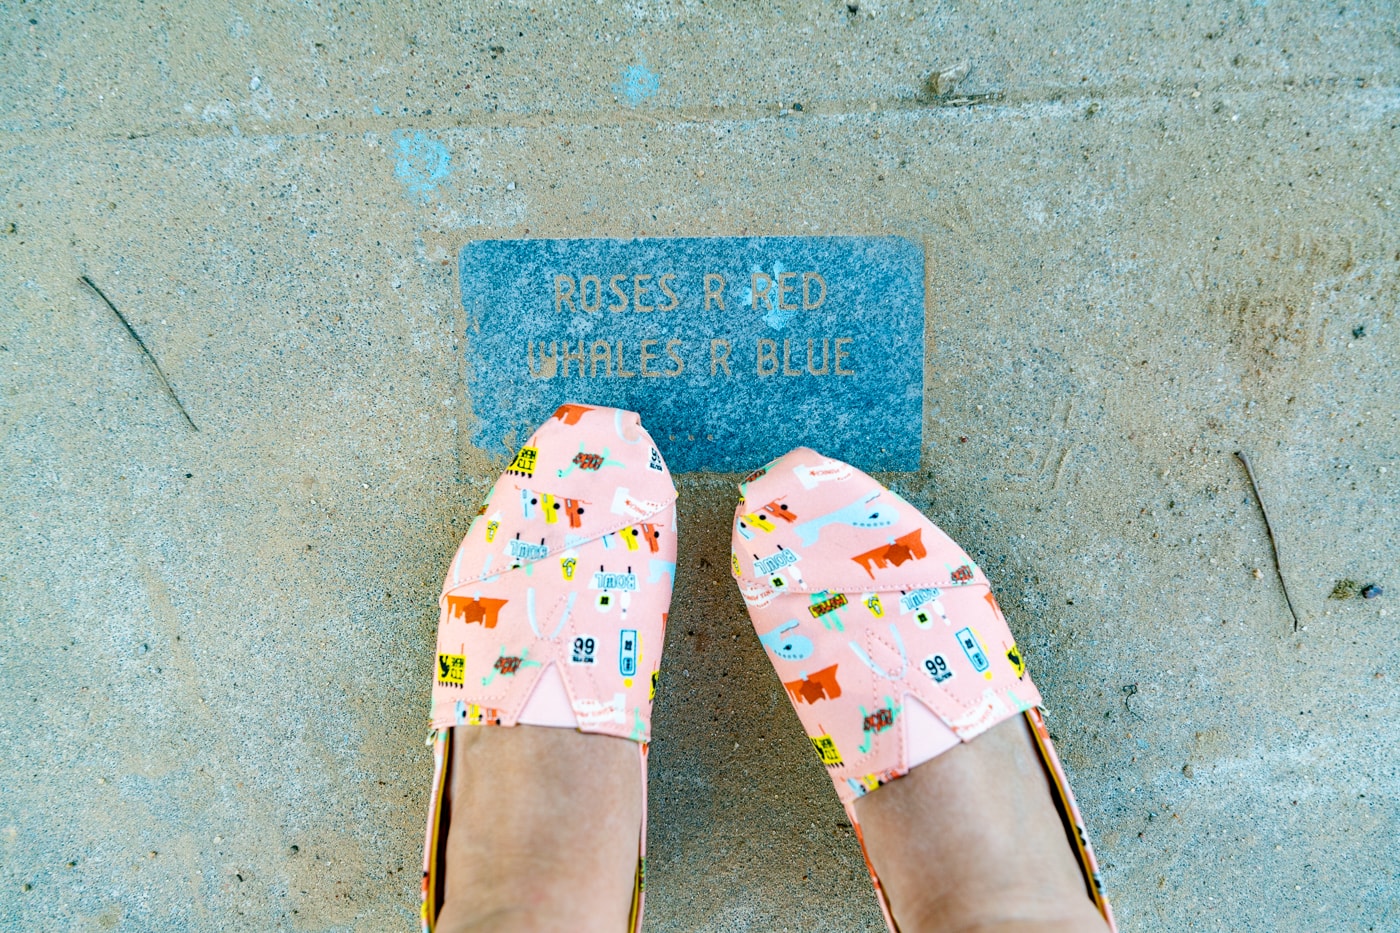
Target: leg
x=972, y=841
x=545, y=619
x=962, y=837
x=544, y=830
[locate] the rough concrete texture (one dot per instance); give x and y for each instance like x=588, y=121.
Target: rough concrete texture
x=1173, y=235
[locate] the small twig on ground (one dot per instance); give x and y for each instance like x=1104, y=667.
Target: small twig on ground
x=969, y=100
x=137, y=337
x=1130, y=691
x=1273, y=541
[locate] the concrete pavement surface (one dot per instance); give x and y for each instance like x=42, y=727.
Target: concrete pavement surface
x=1155, y=234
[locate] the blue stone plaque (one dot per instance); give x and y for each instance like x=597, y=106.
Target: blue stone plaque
x=733, y=350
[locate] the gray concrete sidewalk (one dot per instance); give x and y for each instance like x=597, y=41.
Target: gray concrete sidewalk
x=1155, y=236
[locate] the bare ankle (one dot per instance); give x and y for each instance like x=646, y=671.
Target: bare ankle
x=543, y=832
x=972, y=841
x=459, y=916
x=521, y=917
x=1092, y=923
x=1007, y=914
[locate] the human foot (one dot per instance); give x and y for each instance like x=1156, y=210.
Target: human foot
x=552, y=615
x=972, y=840
x=543, y=833
x=885, y=634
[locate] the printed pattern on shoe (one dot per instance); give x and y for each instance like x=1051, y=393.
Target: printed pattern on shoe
x=569, y=564
x=884, y=633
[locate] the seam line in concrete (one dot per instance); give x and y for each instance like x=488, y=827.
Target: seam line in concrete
x=1011, y=102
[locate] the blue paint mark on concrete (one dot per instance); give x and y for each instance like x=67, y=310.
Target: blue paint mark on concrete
x=420, y=162
x=734, y=350
x=638, y=83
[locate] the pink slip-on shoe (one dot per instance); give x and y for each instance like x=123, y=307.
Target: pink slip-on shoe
x=884, y=633
x=554, y=609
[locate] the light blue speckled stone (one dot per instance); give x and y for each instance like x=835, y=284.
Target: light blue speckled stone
x=785, y=302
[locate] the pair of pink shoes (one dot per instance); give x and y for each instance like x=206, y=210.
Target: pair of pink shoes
x=884, y=632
